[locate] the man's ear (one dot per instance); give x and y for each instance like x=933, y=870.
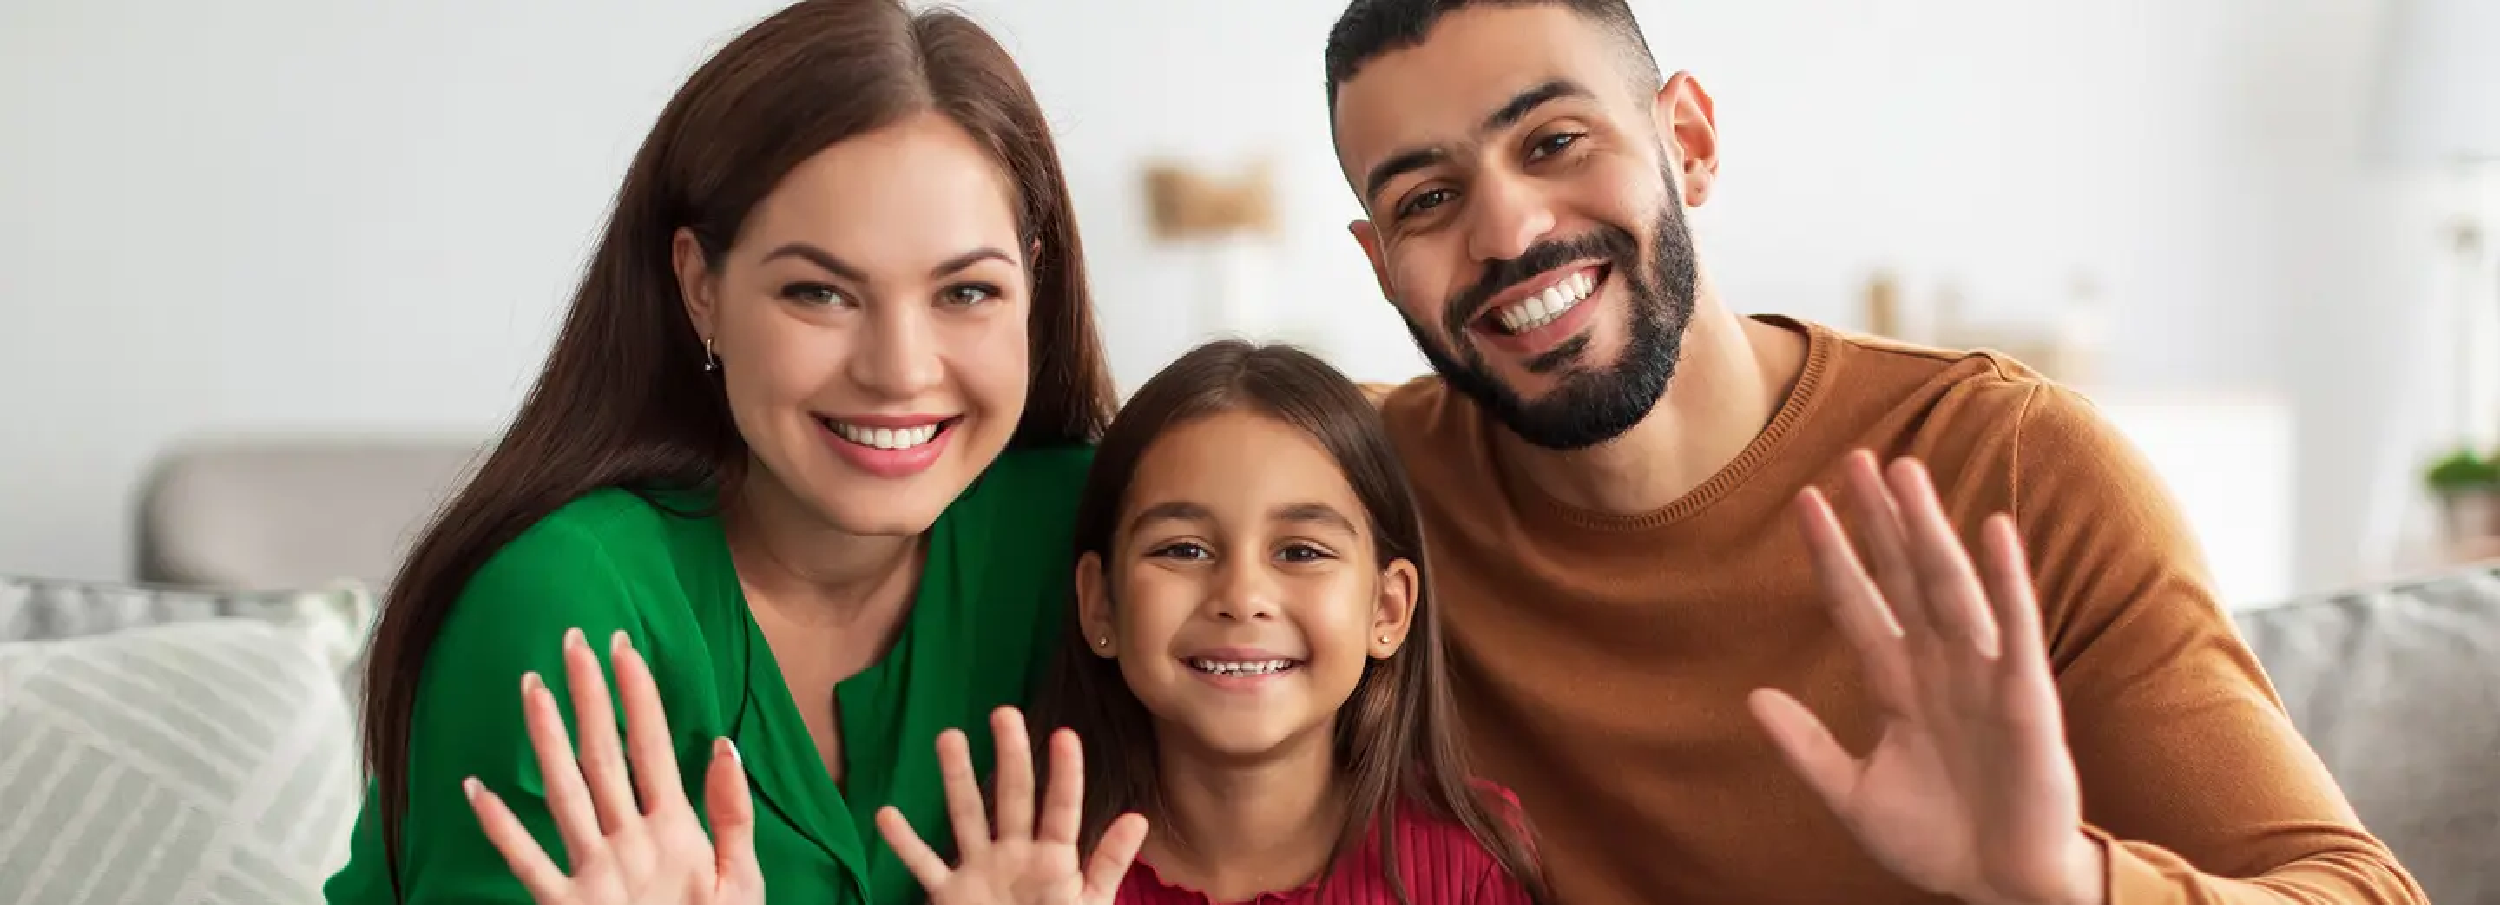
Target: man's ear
x=1687, y=124
x=1368, y=237
x=1093, y=606
x=694, y=280
x=1394, y=616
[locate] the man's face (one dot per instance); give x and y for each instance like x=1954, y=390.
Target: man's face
x=1523, y=217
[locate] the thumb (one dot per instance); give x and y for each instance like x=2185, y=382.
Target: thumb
x=732, y=812
x=1112, y=856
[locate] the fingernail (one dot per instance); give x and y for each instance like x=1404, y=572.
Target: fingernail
x=723, y=745
x=469, y=787
x=573, y=638
x=530, y=682
x=618, y=643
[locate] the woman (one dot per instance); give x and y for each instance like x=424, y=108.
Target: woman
x=810, y=441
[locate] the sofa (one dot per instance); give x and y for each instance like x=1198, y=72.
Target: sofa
x=2396, y=685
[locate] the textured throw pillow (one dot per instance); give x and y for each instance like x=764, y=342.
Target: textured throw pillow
x=39, y=609
x=197, y=763
x=2397, y=686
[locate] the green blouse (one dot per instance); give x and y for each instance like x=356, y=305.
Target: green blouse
x=992, y=595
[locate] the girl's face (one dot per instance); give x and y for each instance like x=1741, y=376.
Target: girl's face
x=1244, y=596
x=870, y=324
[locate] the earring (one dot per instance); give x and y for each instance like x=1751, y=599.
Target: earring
x=1104, y=641
x=1384, y=639
x=711, y=362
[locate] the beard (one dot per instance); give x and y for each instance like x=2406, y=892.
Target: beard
x=1592, y=403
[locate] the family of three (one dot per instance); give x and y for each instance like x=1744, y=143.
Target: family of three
x=817, y=563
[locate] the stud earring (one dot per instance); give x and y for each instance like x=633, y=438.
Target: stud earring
x=711, y=362
x=1104, y=641
x=1384, y=639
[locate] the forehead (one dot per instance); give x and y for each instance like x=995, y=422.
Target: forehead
x=1472, y=62
x=1236, y=461
x=903, y=196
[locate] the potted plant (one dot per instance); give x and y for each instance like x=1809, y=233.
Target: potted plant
x=2467, y=485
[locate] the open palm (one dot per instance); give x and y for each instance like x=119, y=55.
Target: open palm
x=1970, y=789
x=1016, y=865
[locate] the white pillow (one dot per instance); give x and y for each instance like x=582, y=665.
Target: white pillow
x=202, y=762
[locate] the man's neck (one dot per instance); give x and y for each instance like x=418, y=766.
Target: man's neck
x=1233, y=829
x=815, y=572
x=1732, y=375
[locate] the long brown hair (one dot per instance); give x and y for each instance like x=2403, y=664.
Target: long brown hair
x=1397, y=737
x=624, y=400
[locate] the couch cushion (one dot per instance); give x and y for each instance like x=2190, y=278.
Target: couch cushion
x=210, y=761
x=2398, y=688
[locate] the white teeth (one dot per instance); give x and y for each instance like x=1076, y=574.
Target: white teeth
x=1240, y=667
x=1542, y=308
x=886, y=437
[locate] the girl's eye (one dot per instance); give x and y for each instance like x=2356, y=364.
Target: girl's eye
x=1302, y=553
x=1424, y=201
x=971, y=294
x=814, y=294
x=1551, y=145
x=1183, y=550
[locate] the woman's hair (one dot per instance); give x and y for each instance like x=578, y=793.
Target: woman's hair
x=1397, y=737
x=624, y=400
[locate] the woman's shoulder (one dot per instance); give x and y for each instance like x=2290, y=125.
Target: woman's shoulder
x=1029, y=493
x=601, y=562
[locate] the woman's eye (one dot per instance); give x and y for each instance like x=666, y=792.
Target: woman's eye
x=814, y=294
x=971, y=294
x=1183, y=550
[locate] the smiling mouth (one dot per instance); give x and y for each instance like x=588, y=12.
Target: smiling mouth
x=889, y=438
x=1242, y=667
x=1542, y=308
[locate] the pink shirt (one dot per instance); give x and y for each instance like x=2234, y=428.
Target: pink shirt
x=1440, y=861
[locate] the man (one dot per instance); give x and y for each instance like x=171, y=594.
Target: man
x=1696, y=700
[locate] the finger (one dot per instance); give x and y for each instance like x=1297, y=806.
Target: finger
x=917, y=857
x=1014, y=774
x=963, y=794
x=2026, y=659
x=732, y=811
x=1808, y=747
x=1063, y=811
x=1878, y=526
x=577, y=819
x=1857, y=607
x=1113, y=855
x=529, y=862
x=654, y=756
x=594, y=722
x=1955, y=599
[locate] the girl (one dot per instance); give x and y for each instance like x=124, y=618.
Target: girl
x=811, y=437
x=1254, y=658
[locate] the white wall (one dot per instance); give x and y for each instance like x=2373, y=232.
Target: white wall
x=291, y=214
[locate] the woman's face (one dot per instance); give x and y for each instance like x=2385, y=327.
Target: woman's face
x=1246, y=597
x=870, y=324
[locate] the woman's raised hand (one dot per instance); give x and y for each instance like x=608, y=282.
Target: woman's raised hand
x=622, y=852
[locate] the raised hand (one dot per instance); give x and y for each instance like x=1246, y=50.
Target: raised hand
x=622, y=853
x=1970, y=789
x=1018, y=865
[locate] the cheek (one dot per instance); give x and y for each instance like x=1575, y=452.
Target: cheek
x=993, y=356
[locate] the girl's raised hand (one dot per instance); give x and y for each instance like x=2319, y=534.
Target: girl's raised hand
x=624, y=853
x=1016, y=863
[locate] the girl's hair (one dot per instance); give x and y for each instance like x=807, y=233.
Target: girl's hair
x=1397, y=737
x=624, y=400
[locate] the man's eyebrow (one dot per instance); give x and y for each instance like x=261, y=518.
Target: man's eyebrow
x=1503, y=117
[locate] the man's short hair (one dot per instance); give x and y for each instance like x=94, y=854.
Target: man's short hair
x=1371, y=28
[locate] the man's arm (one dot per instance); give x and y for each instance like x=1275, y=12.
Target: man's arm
x=2193, y=776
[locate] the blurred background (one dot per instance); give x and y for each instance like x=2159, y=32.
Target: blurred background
x=2239, y=224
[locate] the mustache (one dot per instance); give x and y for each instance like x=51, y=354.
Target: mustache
x=1607, y=243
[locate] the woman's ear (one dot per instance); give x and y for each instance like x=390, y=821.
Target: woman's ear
x=1093, y=606
x=694, y=281
x=1400, y=586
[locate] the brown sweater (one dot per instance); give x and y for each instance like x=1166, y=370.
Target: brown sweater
x=1603, y=662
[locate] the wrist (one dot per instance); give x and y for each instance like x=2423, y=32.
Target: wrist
x=2087, y=871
